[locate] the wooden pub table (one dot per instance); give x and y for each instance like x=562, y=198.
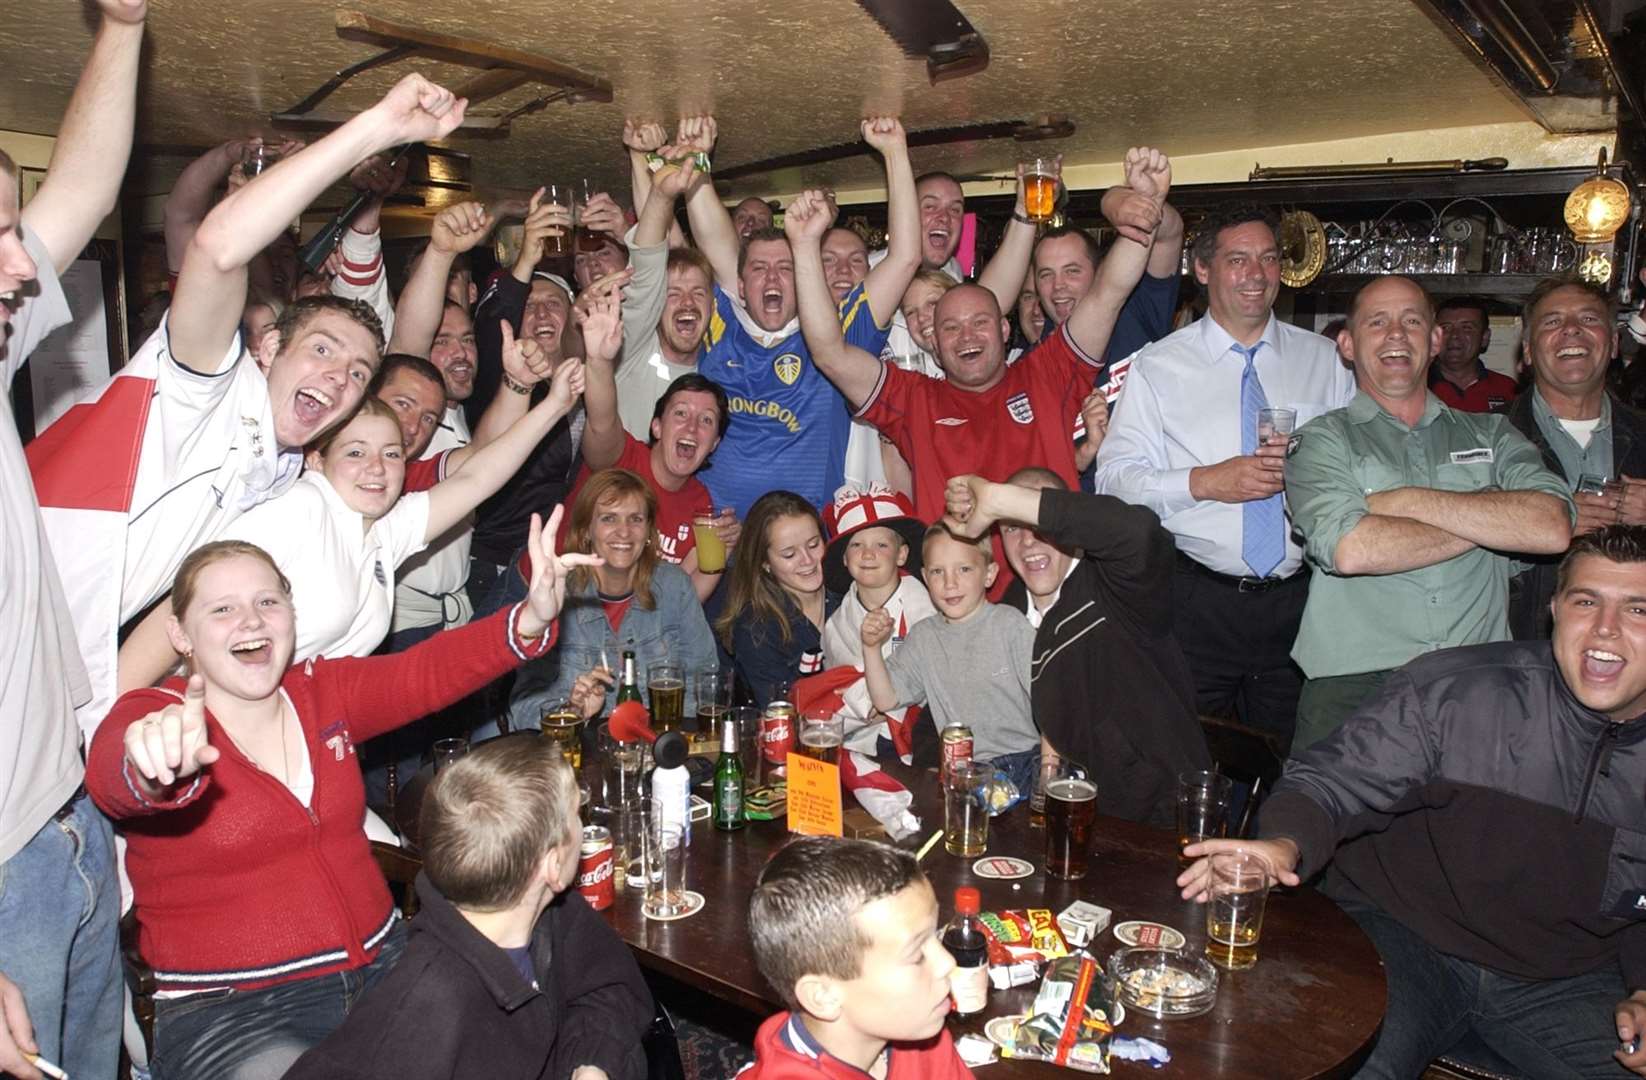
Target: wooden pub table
x=1309, y=1008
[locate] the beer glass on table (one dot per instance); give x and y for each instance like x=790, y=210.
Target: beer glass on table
x=447, y=751
x=1202, y=808
x=1039, y=189
x=666, y=685
x=559, y=241
x=563, y=723
x=822, y=733
x=748, y=744
x=1071, y=810
x=713, y=691
x=665, y=867
x=628, y=823
x=1234, y=911
x=966, y=808
x=622, y=768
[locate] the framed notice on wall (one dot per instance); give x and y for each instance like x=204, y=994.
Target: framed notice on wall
x=83, y=354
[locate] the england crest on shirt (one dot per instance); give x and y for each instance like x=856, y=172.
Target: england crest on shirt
x=1020, y=409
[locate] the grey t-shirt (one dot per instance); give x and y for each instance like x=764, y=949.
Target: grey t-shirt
x=974, y=672
x=45, y=677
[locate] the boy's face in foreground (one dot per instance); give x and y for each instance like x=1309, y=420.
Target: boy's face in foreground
x=873, y=556
x=957, y=575
x=901, y=993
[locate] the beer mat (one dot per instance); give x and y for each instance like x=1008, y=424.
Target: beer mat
x=975, y=1050
x=694, y=904
x=1002, y=868
x=1149, y=933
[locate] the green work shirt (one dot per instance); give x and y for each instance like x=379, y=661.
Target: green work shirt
x=1374, y=621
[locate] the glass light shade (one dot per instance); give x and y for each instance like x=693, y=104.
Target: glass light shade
x=1597, y=266
x=1596, y=209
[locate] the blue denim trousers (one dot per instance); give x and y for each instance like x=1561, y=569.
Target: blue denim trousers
x=258, y=1034
x=1552, y=1029
x=60, y=939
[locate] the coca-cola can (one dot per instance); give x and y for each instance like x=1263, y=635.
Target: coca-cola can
x=594, y=867
x=777, y=734
x=957, y=747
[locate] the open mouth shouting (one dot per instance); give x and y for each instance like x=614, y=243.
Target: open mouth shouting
x=8, y=303
x=688, y=324
x=685, y=452
x=938, y=240
x=253, y=651
x=771, y=302
x=1599, y=665
x=312, y=405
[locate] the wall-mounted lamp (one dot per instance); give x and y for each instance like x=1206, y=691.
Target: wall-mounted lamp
x=1595, y=210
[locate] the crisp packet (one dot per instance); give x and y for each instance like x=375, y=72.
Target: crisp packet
x=1022, y=935
x=1070, y=1023
x=655, y=162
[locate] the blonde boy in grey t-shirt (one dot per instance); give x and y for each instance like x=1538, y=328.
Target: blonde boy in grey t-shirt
x=970, y=666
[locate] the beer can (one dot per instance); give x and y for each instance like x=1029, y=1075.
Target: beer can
x=957, y=747
x=777, y=734
x=594, y=867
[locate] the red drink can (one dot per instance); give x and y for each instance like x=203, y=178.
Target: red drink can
x=957, y=747
x=777, y=734
x=594, y=867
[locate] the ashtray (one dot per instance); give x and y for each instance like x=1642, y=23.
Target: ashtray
x=1164, y=983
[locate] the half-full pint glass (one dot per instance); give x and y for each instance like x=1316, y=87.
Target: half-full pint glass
x=563, y=723
x=1234, y=913
x=966, y=808
x=821, y=735
x=1071, y=807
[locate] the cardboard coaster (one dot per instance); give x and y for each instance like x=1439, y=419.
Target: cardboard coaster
x=1149, y=933
x=694, y=904
x=1002, y=867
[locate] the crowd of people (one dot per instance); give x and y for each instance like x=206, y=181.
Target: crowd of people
x=308, y=515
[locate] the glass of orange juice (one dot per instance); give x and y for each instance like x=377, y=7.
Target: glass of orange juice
x=711, y=550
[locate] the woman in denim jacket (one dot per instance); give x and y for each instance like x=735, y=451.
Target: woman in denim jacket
x=635, y=601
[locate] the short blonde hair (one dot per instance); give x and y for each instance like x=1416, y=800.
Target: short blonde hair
x=982, y=543
x=490, y=818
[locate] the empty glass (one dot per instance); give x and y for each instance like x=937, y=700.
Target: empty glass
x=446, y=751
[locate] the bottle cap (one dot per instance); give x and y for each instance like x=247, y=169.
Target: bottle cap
x=671, y=750
x=967, y=901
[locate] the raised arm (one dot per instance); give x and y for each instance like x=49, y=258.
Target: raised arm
x=711, y=224
x=361, y=275
x=888, y=280
x=456, y=229
x=88, y=161
x=489, y=468
x=602, y=325
x=211, y=291
x=853, y=371
x=1148, y=173
x=1004, y=273
x=642, y=139
x=192, y=194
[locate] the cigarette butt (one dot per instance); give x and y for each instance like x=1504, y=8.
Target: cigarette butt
x=45, y=1066
x=931, y=842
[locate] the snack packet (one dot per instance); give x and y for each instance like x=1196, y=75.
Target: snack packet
x=1015, y=936
x=1069, y=1023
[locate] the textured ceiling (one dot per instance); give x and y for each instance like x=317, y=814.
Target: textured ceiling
x=1192, y=76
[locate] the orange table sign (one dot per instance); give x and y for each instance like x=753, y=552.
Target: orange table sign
x=814, y=797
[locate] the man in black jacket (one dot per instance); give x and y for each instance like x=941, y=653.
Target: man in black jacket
x=1484, y=823
x=507, y=974
x=1580, y=428
x=1109, y=685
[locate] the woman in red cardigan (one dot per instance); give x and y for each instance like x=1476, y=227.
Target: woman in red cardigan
x=258, y=903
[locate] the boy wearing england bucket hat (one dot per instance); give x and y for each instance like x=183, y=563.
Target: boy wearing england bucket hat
x=874, y=538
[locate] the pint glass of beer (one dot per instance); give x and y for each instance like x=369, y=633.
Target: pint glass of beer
x=559, y=241
x=713, y=691
x=1234, y=911
x=1202, y=808
x=966, y=808
x=666, y=684
x=822, y=732
x=563, y=723
x=1039, y=189
x=1071, y=808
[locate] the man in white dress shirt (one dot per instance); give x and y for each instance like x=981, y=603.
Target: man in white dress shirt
x=1182, y=442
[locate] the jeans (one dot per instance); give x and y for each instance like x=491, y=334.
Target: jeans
x=1552, y=1029
x=60, y=939
x=258, y=1034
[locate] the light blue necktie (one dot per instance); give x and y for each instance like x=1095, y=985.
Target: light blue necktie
x=1263, y=535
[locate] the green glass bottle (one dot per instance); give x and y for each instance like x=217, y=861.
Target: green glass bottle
x=728, y=781
x=629, y=688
